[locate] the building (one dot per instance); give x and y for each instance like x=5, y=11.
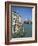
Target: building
x=16, y=22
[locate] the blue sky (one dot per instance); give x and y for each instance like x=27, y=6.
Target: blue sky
x=26, y=13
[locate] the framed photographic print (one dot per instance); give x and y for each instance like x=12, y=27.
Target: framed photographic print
x=20, y=22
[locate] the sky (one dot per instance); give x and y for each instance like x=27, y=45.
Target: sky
x=24, y=12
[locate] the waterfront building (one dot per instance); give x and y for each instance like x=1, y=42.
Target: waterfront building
x=16, y=22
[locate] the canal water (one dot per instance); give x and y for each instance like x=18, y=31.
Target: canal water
x=28, y=30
